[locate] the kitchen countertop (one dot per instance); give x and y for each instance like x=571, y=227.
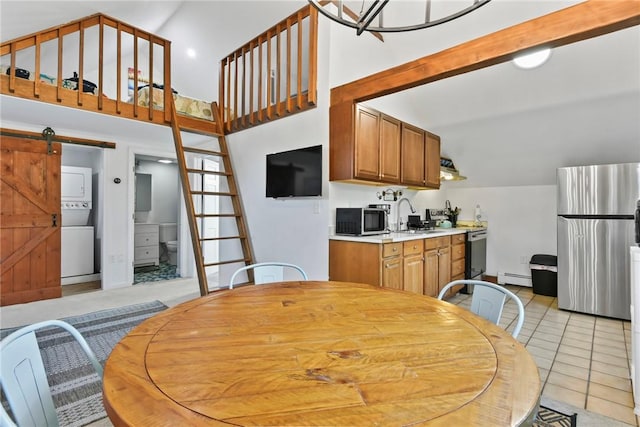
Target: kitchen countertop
x=404, y=235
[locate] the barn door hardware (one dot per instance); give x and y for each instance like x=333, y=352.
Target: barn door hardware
x=48, y=134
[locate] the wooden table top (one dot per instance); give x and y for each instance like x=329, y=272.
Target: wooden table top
x=319, y=353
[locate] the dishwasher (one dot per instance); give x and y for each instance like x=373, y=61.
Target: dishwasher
x=475, y=257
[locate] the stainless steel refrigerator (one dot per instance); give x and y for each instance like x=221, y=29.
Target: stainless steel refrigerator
x=596, y=206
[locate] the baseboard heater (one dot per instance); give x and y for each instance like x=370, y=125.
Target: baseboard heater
x=514, y=279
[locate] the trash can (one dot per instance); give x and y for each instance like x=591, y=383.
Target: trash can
x=544, y=274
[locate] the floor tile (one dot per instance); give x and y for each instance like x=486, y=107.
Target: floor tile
x=571, y=370
x=566, y=381
x=611, y=394
x=620, y=383
x=619, y=361
x=611, y=409
x=562, y=394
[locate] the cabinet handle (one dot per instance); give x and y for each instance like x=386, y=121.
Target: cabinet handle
x=387, y=266
x=395, y=249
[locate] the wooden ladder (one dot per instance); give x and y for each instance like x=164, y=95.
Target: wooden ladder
x=190, y=157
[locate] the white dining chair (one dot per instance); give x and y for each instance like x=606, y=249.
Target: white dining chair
x=488, y=301
x=267, y=272
x=23, y=378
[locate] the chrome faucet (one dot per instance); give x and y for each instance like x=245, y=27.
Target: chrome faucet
x=398, y=218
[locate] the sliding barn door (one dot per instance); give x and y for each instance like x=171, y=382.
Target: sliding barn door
x=29, y=220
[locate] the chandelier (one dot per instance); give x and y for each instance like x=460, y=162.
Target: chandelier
x=371, y=14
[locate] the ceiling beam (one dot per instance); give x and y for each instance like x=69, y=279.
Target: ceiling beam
x=582, y=21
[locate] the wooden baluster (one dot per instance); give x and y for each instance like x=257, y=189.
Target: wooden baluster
x=80, y=82
x=151, y=88
x=235, y=87
x=268, y=106
x=260, y=67
x=100, y=60
x=278, y=68
x=135, y=72
x=168, y=96
x=60, y=77
x=119, y=68
x=300, y=45
x=313, y=56
x=251, y=91
x=36, y=86
x=288, y=103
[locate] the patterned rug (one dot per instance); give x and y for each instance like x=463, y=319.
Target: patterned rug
x=76, y=388
x=164, y=271
x=548, y=417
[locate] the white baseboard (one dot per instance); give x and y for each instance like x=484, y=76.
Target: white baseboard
x=514, y=279
x=70, y=280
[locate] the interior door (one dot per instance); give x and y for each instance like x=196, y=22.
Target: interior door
x=29, y=220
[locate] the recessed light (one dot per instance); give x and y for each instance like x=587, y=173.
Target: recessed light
x=165, y=161
x=191, y=53
x=533, y=59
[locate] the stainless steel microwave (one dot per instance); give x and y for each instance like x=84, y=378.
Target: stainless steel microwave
x=361, y=221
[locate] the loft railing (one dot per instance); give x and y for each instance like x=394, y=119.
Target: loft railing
x=116, y=57
x=273, y=75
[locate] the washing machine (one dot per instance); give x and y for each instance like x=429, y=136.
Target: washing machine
x=77, y=241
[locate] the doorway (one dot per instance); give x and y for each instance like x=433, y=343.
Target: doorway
x=157, y=202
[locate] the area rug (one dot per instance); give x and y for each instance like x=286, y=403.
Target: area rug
x=76, y=388
x=548, y=417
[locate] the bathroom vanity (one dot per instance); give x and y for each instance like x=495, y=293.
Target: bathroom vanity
x=146, y=245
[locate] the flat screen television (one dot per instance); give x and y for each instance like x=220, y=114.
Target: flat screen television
x=295, y=173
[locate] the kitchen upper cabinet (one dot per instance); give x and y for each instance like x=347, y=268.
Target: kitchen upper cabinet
x=413, y=155
x=420, y=157
x=380, y=149
x=377, y=146
x=432, y=160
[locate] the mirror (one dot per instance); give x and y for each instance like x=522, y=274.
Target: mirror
x=143, y=192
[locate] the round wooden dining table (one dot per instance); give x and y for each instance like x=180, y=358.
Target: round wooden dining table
x=319, y=353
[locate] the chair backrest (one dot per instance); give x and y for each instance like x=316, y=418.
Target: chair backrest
x=267, y=272
x=24, y=380
x=488, y=301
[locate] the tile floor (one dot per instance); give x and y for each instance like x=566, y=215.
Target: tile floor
x=583, y=360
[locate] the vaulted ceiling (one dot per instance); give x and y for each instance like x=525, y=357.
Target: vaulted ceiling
x=501, y=125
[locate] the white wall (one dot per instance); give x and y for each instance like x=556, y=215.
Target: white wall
x=165, y=192
x=522, y=222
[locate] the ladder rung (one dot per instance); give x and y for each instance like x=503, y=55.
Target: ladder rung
x=213, y=193
x=224, y=215
x=203, y=172
x=210, y=239
x=202, y=151
x=233, y=261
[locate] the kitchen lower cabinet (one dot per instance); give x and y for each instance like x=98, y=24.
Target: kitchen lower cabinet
x=357, y=262
x=422, y=265
x=437, y=264
x=413, y=266
x=457, y=261
x=392, y=273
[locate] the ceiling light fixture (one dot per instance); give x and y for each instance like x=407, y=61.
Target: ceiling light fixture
x=165, y=161
x=191, y=53
x=372, y=16
x=532, y=59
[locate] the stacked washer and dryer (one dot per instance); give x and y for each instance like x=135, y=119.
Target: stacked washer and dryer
x=77, y=232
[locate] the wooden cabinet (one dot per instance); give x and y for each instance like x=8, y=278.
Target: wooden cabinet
x=146, y=245
x=420, y=157
x=432, y=160
x=422, y=265
x=392, y=266
x=383, y=149
x=457, y=261
x=413, y=155
x=413, y=266
x=377, y=146
x=437, y=264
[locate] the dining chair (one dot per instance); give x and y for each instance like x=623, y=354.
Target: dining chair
x=23, y=378
x=267, y=272
x=488, y=301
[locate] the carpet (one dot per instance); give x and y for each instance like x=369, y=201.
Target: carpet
x=75, y=386
x=548, y=417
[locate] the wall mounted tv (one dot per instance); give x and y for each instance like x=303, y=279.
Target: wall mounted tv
x=295, y=173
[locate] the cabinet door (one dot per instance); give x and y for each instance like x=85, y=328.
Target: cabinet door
x=414, y=274
x=392, y=273
x=390, y=149
x=444, y=267
x=367, y=144
x=431, y=286
x=413, y=155
x=432, y=160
